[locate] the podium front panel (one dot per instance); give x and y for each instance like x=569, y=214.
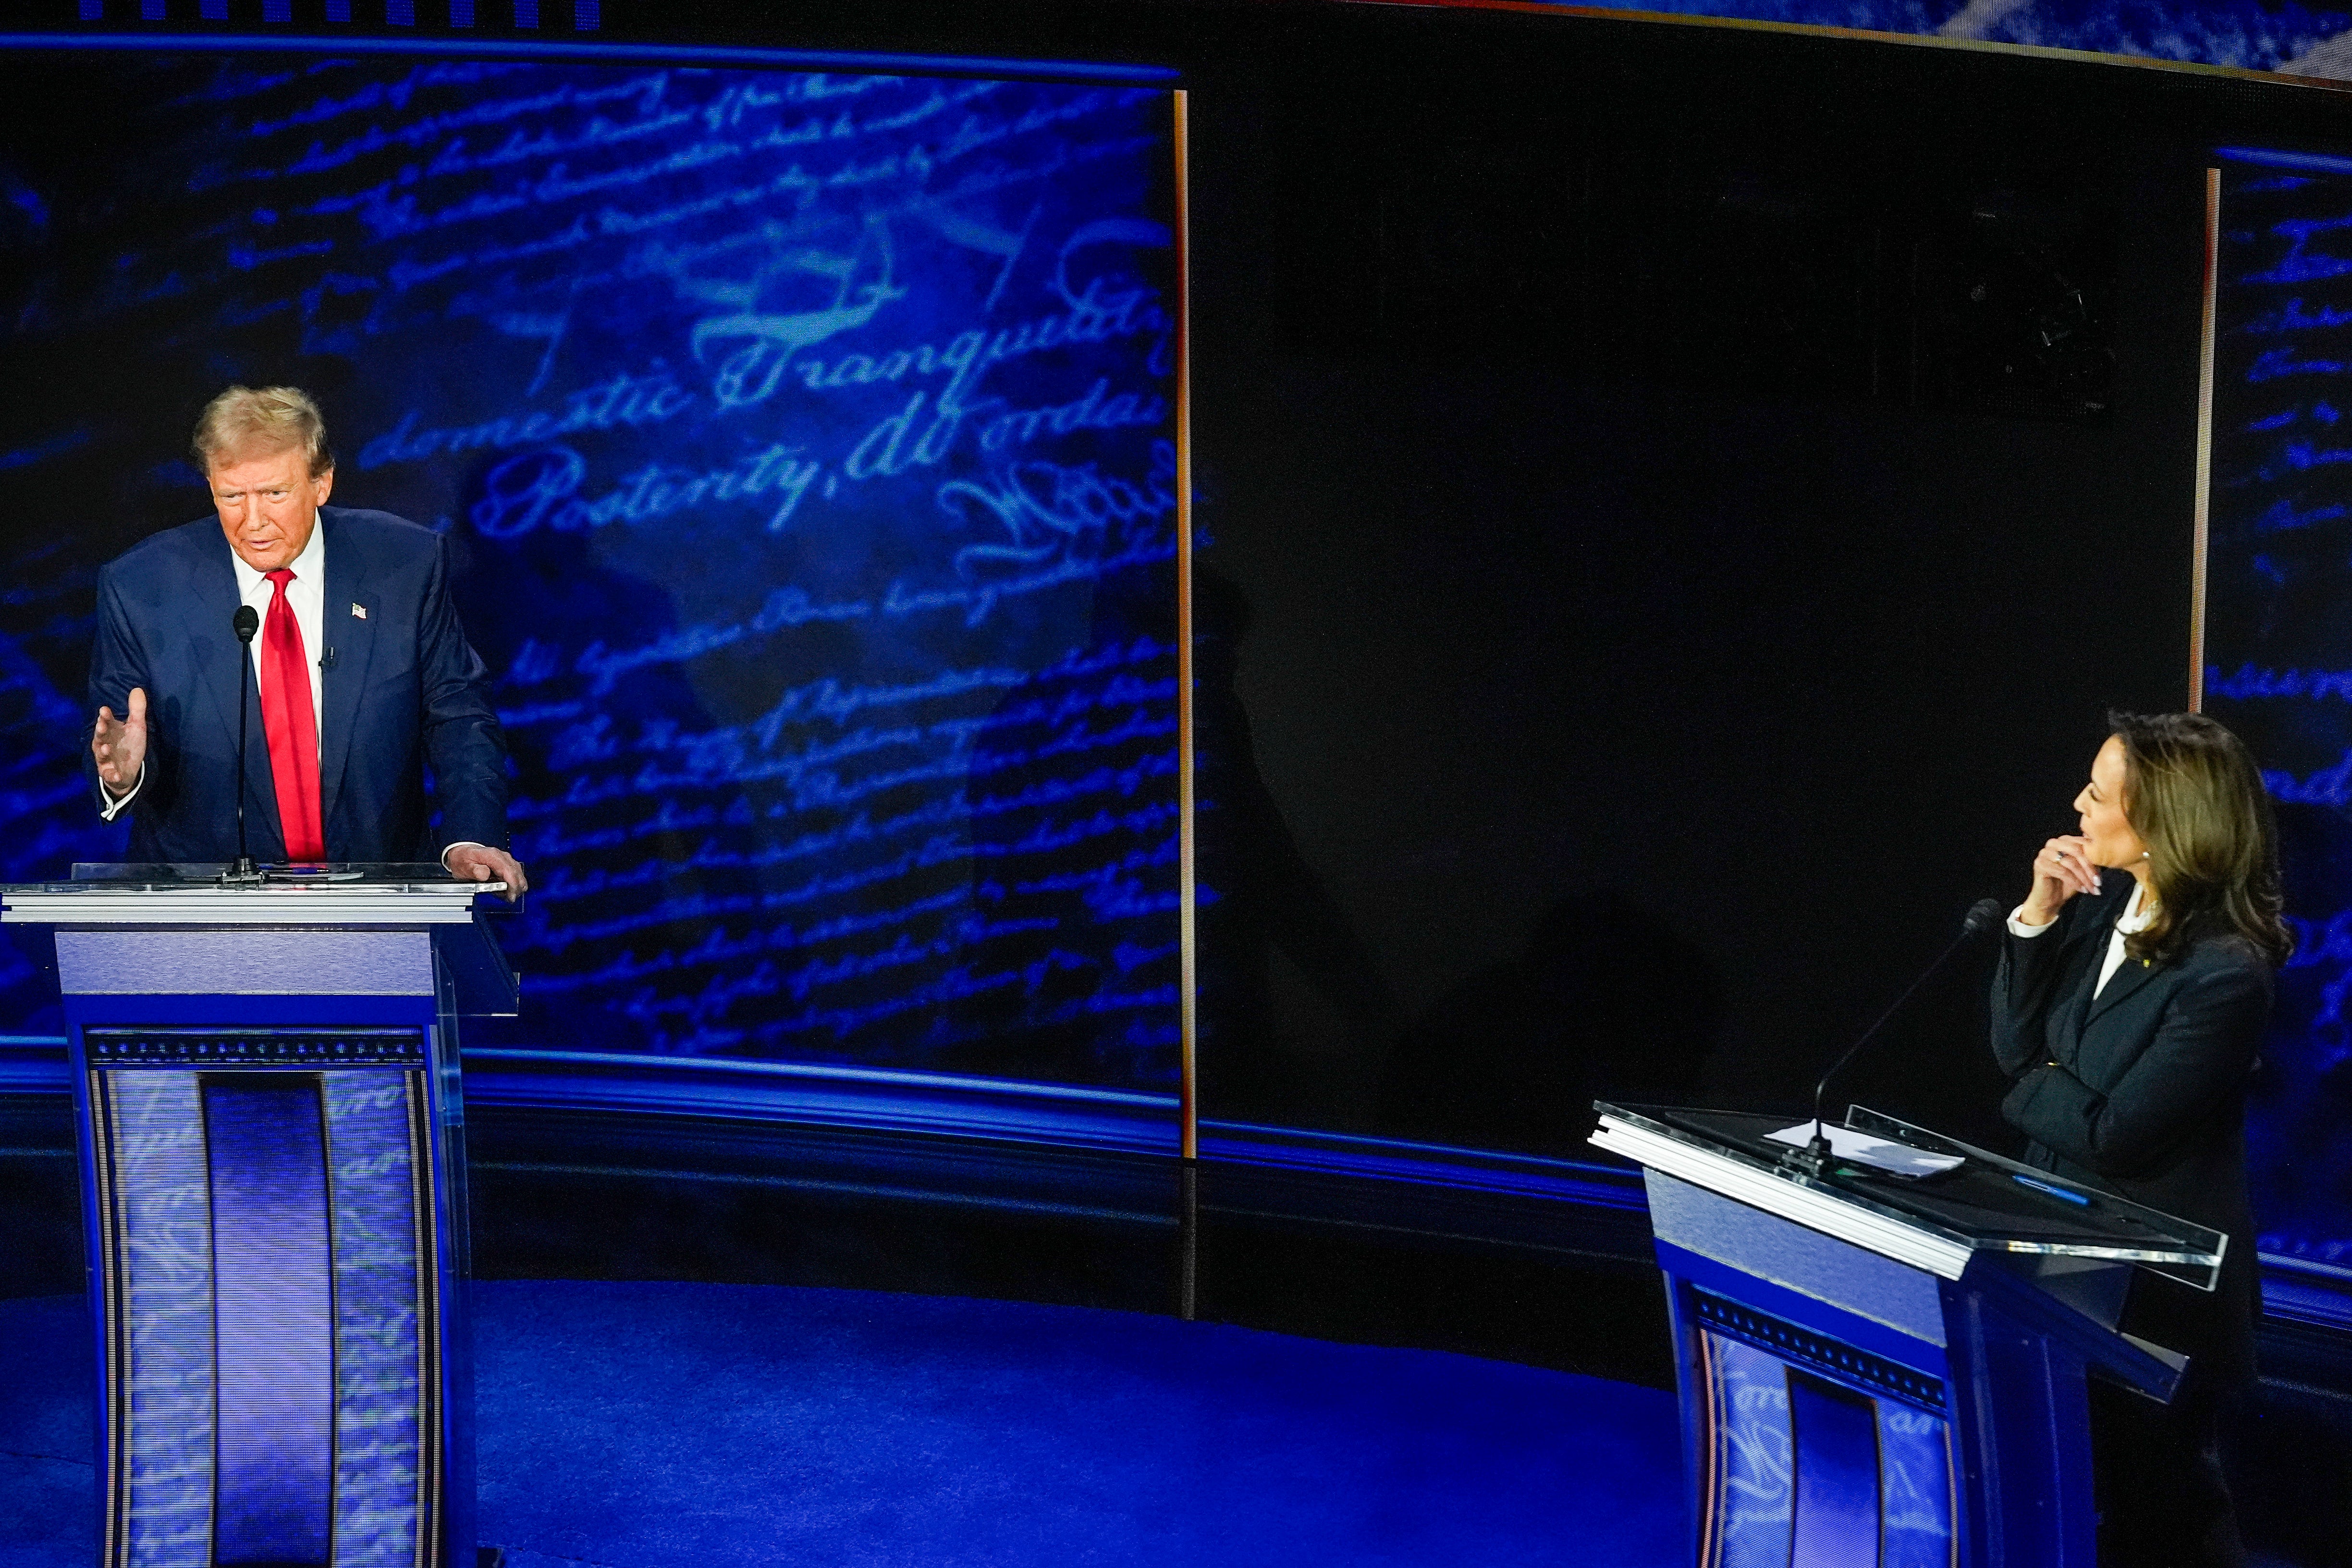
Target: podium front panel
x=1805, y=1469
x=1809, y=1451
x=1817, y=1391
x=271, y=1310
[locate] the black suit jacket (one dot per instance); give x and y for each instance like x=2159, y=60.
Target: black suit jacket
x=404, y=690
x=2141, y=1090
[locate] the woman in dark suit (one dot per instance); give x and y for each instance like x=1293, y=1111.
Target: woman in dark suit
x=2133, y=990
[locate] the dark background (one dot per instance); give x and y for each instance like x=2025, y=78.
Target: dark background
x=1671, y=596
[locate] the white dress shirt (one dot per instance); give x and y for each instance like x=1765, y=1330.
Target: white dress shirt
x=2135, y=918
x=307, y=596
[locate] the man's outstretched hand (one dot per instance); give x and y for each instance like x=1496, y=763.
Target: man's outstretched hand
x=120, y=745
x=480, y=863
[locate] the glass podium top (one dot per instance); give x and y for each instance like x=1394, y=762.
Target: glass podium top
x=1985, y=1203
x=106, y=893
x=368, y=874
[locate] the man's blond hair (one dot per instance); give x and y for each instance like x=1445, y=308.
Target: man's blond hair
x=248, y=422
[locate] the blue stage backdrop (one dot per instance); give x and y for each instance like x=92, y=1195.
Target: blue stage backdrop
x=805, y=445
x=2279, y=645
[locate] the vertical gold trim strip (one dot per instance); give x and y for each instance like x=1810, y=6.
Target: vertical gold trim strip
x=2199, y=534
x=334, y=1324
x=432, y=1458
x=1188, y=1109
x=115, y=1546
x=1710, y=1459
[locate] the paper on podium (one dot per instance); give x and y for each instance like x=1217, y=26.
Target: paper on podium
x=1864, y=1149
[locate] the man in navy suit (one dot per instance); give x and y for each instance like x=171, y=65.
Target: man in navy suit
x=360, y=676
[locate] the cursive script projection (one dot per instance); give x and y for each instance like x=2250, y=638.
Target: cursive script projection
x=2279, y=645
x=804, y=443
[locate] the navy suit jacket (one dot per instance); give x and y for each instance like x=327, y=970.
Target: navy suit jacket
x=2142, y=1090
x=401, y=690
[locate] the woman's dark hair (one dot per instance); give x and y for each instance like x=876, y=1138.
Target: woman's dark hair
x=2197, y=801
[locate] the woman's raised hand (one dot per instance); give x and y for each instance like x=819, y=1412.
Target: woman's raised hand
x=2063, y=869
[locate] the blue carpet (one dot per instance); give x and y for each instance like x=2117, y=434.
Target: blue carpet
x=662, y=1426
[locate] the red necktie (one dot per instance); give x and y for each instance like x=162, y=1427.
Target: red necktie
x=292, y=729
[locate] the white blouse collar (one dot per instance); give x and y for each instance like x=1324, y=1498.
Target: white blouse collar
x=2138, y=914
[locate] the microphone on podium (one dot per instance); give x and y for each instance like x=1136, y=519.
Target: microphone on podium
x=1815, y=1156
x=247, y=621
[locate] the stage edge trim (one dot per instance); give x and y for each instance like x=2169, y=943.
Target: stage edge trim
x=2295, y=1289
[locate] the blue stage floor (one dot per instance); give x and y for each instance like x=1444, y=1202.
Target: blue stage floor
x=671, y=1425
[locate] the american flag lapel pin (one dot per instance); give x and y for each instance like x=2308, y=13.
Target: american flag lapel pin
x=359, y=612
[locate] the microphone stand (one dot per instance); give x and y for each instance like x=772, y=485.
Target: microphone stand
x=1816, y=1157
x=246, y=622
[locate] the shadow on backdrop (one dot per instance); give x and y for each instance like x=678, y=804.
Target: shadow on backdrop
x=1259, y=901
x=1605, y=1001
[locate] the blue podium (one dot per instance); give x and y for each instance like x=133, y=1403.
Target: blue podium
x=273, y=1189
x=1883, y=1371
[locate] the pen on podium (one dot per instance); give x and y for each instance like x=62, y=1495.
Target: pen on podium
x=2078, y=1199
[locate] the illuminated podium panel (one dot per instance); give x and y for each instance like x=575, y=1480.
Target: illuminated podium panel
x=274, y=1195
x=1886, y=1371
